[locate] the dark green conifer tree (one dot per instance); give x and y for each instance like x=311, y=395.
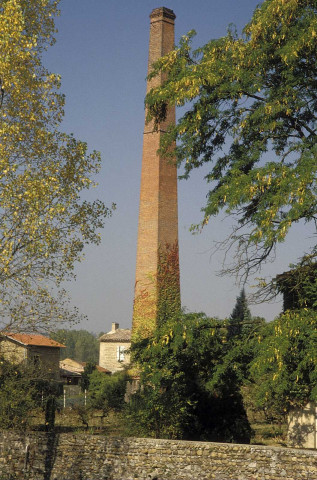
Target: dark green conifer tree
x=240, y=320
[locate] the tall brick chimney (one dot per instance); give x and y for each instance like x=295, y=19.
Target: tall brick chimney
x=158, y=218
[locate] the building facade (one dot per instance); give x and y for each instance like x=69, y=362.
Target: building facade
x=37, y=350
x=114, y=349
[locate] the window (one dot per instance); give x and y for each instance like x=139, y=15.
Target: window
x=120, y=353
x=36, y=360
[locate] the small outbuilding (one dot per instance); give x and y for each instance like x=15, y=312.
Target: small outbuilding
x=71, y=371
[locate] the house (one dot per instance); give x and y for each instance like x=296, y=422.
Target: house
x=114, y=347
x=32, y=349
x=71, y=371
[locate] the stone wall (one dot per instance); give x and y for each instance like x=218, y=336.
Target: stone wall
x=108, y=357
x=40, y=456
x=46, y=357
x=12, y=351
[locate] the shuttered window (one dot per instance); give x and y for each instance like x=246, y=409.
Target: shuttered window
x=120, y=353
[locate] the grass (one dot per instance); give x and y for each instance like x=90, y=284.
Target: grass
x=69, y=420
x=269, y=434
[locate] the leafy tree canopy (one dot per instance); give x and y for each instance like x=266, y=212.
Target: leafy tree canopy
x=187, y=390
x=44, y=224
x=23, y=388
x=81, y=345
x=285, y=367
x=17, y=395
x=90, y=367
x=252, y=111
x=299, y=285
x=107, y=392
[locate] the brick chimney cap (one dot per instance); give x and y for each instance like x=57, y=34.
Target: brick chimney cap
x=162, y=12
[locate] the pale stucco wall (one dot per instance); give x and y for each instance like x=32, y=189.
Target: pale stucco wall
x=108, y=356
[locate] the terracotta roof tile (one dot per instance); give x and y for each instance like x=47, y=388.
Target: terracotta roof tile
x=32, y=339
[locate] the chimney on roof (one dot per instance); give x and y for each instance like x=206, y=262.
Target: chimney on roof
x=114, y=326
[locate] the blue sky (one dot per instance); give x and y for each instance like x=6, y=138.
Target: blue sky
x=101, y=53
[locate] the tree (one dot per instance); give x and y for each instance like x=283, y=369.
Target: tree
x=299, y=286
x=252, y=111
x=44, y=224
x=240, y=318
x=25, y=388
x=18, y=395
x=89, y=368
x=285, y=367
x=187, y=391
x=107, y=392
x=241, y=324
x=81, y=345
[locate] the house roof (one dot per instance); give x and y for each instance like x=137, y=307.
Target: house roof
x=32, y=339
x=71, y=365
x=68, y=373
x=119, y=335
x=78, y=367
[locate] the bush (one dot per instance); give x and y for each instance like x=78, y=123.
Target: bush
x=188, y=390
x=17, y=395
x=107, y=392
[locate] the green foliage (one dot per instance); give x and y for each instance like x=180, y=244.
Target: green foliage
x=106, y=392
x=240, y=317
x=178, y=397
x=81, y=345
x=299, y=285
x=252, y=116
x=168, y=287
x=17, y=395
x=24, y=388
x=44, y=222
x=160, y=300
x=285, y=367
x=241, y=324
x=89, y=368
